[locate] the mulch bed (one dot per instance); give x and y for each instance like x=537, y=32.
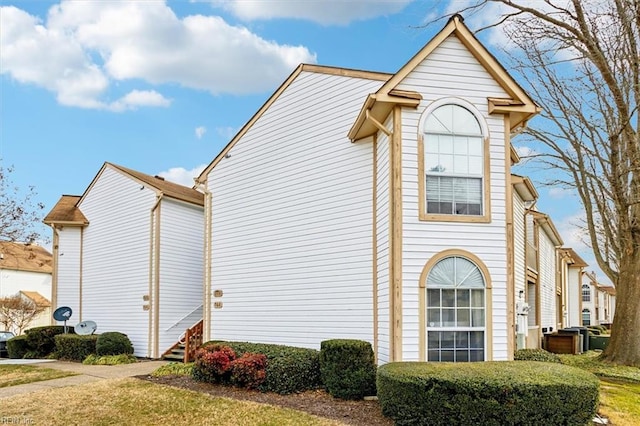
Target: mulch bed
x=318, y=403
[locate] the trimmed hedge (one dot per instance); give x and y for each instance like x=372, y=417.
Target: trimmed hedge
x=113, y=343
x=488, y=393
x=17, y=347
x=289, y=369
x=75, y=347
x=41, y=340
x=536, y=355
x=348, y=368
x=598, y=342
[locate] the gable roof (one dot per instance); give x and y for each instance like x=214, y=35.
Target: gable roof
x=320, y=69
x=575, y=258
x=25, y=257
x=36, y=298
x=519, y=105
x=524, y=187
x=66, y=212
x=156, y=183
x=548, y=227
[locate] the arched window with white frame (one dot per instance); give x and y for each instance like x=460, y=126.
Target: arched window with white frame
x=586, y=317
x=456, y=311
x=454, y=162
x=586, y=293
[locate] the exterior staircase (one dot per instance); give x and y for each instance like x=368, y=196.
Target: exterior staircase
x=184, y=350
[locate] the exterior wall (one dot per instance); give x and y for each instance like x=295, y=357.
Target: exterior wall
x=547, y=282
x=451, y=71
x=291, y=226
x=68, y=270
x=382, y=241
x=574, y=297
x=181, y=271
x=519, y=246
x=12, y=281
x=116, y=256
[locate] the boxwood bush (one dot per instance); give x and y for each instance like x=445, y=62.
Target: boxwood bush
x=113, y=343
x=536, y=355
x=289, y=369
x=41, y=340
x=17, y=347
x=74, y=347
x=348, y=368
x=488, y=393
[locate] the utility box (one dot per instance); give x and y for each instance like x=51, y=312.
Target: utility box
x=563, y=343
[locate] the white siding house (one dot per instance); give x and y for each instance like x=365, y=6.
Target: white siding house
x=353, y=205
x=128, y=256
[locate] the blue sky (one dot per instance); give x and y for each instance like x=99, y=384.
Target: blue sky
x=161, y=87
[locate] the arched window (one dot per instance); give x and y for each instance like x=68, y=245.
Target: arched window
x=456, y=312
x=586, y=317
x=453, y=162
x=586, y=293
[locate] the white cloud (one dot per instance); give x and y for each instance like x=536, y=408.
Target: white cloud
x=84, y=47
x=326, y=12
x=200, y=131
x=556, y=192
x=182, y=176
x=226, y=132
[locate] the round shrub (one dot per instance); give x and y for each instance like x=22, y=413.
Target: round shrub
x=41, y=340
x=249, y=370
x=536, y=355
x=213, y=364
x=113, y=343
x=488, y=393
x=17, y=347
x=348, y=368
x=74, y=347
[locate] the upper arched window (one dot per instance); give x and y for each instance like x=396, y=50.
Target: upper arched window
x=586, y=293
x=453, y=163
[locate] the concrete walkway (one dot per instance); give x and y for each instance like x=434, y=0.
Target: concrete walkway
x=86, y=374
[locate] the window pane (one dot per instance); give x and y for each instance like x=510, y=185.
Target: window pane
x=461, y=166
x=462, y=339
x=465, y=121
x=444, y=118
x=463, y=318
x=475, y=146
x=462, y=298
x=447, y=339
x=434, y=356
x=447, y=356
x=477, y=318
x=445, y=165
x=448, y=317
x=476, y=356
x=433, y=317
x=445, y=144
x=433, y=297
x=476, y=339
x=431, y=143
x=477, y=298
x=448, y=298
x=475, y=165
x=460, y=145
x=462, y=355
x=433, y=339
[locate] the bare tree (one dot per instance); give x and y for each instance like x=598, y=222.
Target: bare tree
x=16, y=312
x=581, y=62
x=19, y=213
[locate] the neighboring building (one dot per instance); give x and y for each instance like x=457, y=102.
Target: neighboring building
x=128, y=255
x=598, y=301
x=571, y=267
x=45, y=317
x=389, y=221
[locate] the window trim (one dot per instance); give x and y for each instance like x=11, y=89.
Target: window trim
x=486, y=195
x=422, y=298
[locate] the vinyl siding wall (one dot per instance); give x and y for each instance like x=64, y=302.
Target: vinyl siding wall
x=181, y=269
x=69, y=252
x=292, y=221
x=519, y=246
x=574, y=296
x=382, y=240
x=116, y=257
x=451, y=71
x=547, y=277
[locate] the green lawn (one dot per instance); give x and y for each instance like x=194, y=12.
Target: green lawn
x=12, y=375
x=135, y=402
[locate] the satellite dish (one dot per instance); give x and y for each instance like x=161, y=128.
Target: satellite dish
x=63, y=313
x=85, y=328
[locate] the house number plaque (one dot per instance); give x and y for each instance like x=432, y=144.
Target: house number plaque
x=217, y=305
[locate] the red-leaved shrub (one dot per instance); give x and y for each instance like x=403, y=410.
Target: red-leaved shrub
x=213, y=364
x=249, y=370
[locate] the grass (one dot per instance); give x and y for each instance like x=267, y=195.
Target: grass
x=174, y=369
x=12, y=375
x=619, y=387
x=109, y=359
x=134, y=402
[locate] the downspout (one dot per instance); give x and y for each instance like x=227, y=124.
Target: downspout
x=206, y=303
x=154, y=278
x=54, y=275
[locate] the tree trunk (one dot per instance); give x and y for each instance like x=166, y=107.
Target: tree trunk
x=624, y=345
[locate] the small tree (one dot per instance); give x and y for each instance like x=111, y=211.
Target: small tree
x=16, y=313
x=19, y=212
